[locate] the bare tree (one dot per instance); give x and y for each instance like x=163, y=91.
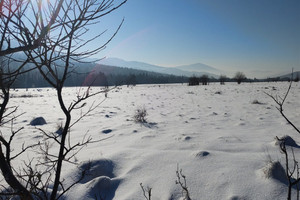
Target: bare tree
x=239, y=77
x=53, y=37
x=24, y=24
x=7, y=116
x=222, y=79
x=280, y=103
x=10, y=14
x=194, y=81
x=204, y=79
x=292, y=170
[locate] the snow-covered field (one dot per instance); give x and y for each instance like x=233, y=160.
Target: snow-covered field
x=221, y=140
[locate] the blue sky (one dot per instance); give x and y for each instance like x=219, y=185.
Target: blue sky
x=259, y=37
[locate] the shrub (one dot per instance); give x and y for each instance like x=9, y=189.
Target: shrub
x=140, y=115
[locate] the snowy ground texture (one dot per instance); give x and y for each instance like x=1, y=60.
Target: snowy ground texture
x=221, y=136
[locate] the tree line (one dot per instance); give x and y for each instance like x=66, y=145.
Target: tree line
x=239, y=77
x=91, y=74
x=100, y=75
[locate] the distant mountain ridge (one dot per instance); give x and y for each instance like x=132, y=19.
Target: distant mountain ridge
x=197, y=69
x=295, y=74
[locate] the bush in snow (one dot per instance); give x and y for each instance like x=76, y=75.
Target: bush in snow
x=274, y=170
x=146, y=192
x=140, y=115
x=181, y=181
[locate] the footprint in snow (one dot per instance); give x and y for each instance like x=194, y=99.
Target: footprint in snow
x=184, y=138
x=237, y=198
x=230, y=139
x=106, y=131
x=213, y=114
x=148, y=136
x=242, y=124
x=202, y=154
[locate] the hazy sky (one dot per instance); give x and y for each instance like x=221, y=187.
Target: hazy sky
x=262, y=36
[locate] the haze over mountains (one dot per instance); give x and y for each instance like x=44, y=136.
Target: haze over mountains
x=114, y=71
x=197, y=69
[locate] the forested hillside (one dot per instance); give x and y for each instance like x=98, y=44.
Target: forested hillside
x=91, y=74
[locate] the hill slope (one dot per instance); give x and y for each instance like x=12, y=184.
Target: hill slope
x=288, y=76
x=199, y=67
x=178, y=71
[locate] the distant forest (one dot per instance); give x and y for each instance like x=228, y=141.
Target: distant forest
x=100, y=75
x=92, y=74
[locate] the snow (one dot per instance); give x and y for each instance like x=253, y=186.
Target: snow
x=221, y=136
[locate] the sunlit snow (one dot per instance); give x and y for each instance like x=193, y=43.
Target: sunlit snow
x=221, y=136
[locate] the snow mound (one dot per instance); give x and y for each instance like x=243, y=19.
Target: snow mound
x=202, y=154
x=98, y=168
x=59, y=131
x=274, y=170
x=99, y=181
x=106, y=131
x=38, y=121
x=102, y=187
x=288, y=141
x=219, y=141
x=237, y=198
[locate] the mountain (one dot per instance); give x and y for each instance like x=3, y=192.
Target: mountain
x=123, y=75
x=288, y=76
x=199, y=67
x=159, y=69
x=91, y=74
